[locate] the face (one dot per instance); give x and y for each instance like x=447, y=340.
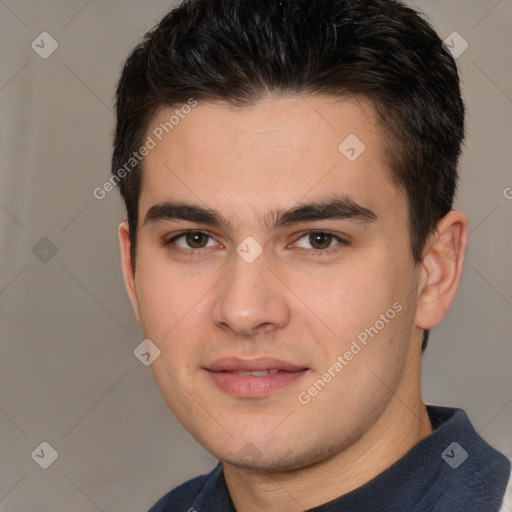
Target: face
x=274, y=274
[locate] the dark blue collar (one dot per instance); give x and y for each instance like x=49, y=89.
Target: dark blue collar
x=451, y=470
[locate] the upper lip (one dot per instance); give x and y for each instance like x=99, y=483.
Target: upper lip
x=259, y=364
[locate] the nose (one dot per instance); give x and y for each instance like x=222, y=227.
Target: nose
x=252, y=299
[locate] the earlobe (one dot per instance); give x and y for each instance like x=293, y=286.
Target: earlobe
x=441, y=269
x=126, y=265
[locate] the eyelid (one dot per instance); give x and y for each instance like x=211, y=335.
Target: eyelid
x=167, y=241
x=339, y=236
x=342, y=240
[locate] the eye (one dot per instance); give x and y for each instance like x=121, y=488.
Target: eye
x=321, y=241
x=191, y=241
x=194, y=242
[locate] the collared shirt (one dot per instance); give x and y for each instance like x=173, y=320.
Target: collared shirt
x=451, y=470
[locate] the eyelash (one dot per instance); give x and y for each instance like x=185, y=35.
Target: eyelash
x=318, y=253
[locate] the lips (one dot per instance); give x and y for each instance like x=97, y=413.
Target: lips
x=253, y=378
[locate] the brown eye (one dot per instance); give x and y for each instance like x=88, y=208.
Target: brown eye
x=196, y=240
x=190, y=242
x=320, y=240
x=320, y=243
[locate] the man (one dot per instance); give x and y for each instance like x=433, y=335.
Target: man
x=288, y=170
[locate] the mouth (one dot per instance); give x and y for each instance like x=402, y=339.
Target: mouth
x=253, y=378
x=254, y=373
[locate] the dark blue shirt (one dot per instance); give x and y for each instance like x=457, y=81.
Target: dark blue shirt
x=451, y=470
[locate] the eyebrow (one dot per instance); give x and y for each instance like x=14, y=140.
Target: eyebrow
x=338, y=208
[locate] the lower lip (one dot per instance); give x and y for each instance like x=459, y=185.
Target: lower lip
x=251, y=386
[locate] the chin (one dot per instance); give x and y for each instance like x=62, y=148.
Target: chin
x=279, y=460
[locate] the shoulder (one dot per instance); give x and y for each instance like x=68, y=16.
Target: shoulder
x=472, y=474
x=181, y=498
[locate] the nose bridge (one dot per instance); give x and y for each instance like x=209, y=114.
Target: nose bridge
x=251, y=295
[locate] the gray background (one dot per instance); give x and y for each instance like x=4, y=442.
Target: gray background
x=68, y=375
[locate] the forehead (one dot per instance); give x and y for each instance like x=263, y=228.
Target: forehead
x=284, y=123
x=269, y=154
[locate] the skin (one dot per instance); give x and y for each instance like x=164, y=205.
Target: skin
x=277, y=453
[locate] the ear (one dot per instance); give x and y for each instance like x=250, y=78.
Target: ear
x=126, y=265
x=441, y=269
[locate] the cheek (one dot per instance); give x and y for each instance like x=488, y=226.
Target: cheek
x=164, y=297
x=175, y=312
x=366, y=303
x=353, y=297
